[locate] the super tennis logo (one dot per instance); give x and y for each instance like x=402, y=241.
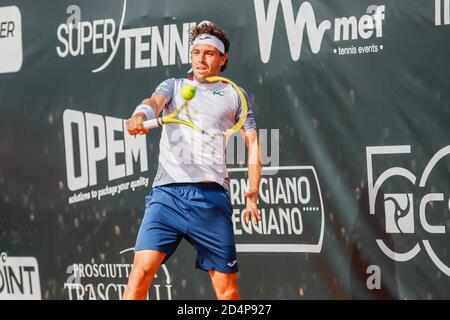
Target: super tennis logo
x=11, y=51
x=99, y=37
x=291, y=207
x=351, y=28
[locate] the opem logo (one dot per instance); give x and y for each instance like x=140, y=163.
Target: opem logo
x=102, y=36
x=345, y=28
x=11, y=51
x=399, y=207
x=90, y=139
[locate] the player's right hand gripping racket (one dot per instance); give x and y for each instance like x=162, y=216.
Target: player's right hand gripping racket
x=188, y=93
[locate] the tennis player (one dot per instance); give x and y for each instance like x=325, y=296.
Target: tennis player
x=190, y=195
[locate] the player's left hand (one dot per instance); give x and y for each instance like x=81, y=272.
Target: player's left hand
x=251, y=209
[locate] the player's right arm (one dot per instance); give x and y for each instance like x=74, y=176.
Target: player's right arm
x=151, y=107
x=155, y=104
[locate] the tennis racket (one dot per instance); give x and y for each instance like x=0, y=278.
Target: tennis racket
x=188, y=93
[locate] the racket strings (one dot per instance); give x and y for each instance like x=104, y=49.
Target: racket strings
x=184, y=110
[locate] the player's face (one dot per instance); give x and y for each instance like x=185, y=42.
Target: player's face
x=206, y=61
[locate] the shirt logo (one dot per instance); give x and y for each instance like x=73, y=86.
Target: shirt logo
x=219, y=93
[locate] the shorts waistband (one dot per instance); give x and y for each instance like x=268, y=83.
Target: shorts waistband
x=199, y=185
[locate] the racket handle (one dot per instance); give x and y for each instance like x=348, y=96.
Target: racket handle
x=152, y=123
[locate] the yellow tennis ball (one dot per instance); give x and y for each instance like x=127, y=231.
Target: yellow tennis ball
x=187, y=92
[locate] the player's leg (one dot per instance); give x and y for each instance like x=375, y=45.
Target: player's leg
x=211, y=234
x=225, y=285
x=146, y=264
x=157, y=239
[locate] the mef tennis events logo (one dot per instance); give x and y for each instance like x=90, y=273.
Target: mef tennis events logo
x=345, y=29
x=19, y=278
x=420, y=211
x=103, y=37
x=11, y=51
x=291, y=207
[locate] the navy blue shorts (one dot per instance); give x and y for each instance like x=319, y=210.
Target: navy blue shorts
x=198, y=212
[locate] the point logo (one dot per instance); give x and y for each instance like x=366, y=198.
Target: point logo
x=76, y=37
x=399, y=208
x=11, y=52
x=345, y=28
x=19, y=278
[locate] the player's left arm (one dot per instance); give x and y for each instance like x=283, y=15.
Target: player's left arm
x=250, y=135
x=254, y=174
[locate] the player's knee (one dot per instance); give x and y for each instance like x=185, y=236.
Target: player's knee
x=143, y=272
x=146, y=264
x=227, y=288
x=228, y=293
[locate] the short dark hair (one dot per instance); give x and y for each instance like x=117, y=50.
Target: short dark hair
x=211, y=28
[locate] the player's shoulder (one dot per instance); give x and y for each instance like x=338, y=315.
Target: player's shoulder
x=167, y=82
x=179, y=82
x=172, y=83
x=231, y=90
x=230, y=87
x=189, y=80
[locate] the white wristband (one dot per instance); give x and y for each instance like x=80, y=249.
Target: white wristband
x=145, y=109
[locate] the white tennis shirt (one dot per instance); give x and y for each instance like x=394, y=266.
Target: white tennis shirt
x=186, y=155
